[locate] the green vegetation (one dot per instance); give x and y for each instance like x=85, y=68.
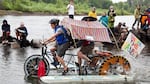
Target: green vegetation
x=81, y=6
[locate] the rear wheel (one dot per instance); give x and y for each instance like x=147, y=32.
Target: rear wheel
x=115, y=65
x=31, y=65
x=83, y=70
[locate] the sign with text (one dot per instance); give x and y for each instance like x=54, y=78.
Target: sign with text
x=133, y=45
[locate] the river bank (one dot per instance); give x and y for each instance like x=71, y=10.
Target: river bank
x=20, y=13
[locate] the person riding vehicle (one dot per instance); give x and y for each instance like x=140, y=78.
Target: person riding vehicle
x=62, y=43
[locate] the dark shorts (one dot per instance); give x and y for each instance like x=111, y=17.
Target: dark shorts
x=61, y=49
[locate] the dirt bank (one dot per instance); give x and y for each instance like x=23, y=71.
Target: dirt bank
x=19, y=13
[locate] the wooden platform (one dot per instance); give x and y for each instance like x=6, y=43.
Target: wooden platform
x=88, y=79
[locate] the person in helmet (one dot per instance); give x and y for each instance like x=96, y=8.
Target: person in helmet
x=5, y=30
x=62, y=43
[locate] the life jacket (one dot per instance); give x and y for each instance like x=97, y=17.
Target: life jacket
x=61, y=38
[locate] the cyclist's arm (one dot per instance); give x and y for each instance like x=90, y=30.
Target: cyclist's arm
x=52, y=38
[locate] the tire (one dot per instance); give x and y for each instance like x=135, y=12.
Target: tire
x=31, y=65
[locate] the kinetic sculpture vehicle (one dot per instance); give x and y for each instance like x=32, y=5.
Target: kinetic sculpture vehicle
x=104, y=63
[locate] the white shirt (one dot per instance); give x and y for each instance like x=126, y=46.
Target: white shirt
x=70, y=8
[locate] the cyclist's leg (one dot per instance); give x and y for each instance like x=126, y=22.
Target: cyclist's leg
x=61, y=49
x=53, y=51
x=82, y=54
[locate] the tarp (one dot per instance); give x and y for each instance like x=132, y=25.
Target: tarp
x=87, y=30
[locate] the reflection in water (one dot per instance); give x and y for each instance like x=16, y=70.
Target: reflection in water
x=6, y=51
x=21, y=52
x=32, y=80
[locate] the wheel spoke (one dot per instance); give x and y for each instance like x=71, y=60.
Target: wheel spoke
x=31, y=65
x=114, y=65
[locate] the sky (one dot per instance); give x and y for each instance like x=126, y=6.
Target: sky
x=116, y=1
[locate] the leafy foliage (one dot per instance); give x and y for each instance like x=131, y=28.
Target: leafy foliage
x=81, y=6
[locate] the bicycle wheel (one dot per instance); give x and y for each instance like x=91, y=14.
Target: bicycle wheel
x=31, y=65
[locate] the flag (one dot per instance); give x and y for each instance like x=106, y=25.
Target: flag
x=133, y=45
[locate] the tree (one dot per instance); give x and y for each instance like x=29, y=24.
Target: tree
x=104, y=4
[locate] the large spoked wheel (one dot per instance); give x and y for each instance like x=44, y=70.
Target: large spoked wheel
x=115, y=65
x=31, y=65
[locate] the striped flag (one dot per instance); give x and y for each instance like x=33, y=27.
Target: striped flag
x=87, y=30
x=133, y=45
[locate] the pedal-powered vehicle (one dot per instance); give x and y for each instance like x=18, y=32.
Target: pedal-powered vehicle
x=104, y=63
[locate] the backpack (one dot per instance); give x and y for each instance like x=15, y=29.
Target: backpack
x=68, y=35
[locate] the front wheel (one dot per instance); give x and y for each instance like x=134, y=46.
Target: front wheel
x=31, y=65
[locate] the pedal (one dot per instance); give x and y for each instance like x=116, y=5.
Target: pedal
x=77, y=64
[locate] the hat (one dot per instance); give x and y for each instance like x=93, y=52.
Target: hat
x=54, y=21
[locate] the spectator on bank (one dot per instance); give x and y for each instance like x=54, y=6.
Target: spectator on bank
x=70, y=9
x=111, y=10
x=136, y=16
x=111, y=20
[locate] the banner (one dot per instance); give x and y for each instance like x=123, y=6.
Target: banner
x=133, y=45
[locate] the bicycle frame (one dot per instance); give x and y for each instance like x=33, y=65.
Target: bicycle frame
x=104, y=65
